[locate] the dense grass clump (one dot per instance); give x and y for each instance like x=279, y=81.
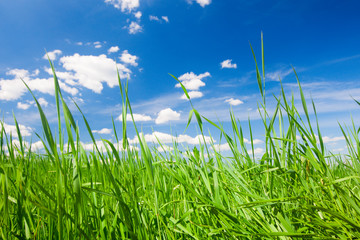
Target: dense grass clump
x=296, y=189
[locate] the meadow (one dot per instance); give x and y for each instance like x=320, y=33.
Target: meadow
x=296, y=190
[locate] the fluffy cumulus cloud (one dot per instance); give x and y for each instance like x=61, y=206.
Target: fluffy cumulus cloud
x=113, y=49
x=124, y=5
x=138, y=14
x=234, y=102
x=103, y=131
x=202, y=3
x=167, y=115
x=192, y=82
x=134, y=28
x=127, y=58
x=24, y=130
x=227, y=64
x=12, y=89
x=52, y=55
x=34, y=146
x=137, y=117
x=43, y=102
x=92, y=71
x=192, y=95
x=23, y=106
x=166, y=138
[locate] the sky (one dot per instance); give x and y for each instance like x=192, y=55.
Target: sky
x=204, y=43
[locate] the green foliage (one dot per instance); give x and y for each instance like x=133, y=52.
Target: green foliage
x=296, y=189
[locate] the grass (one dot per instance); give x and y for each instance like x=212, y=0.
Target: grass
x=297, y=189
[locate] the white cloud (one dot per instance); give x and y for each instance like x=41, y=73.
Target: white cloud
x=332, y=139
x=137, y=117
x=166, y=115
x=193, y=84
x=165, y=18
x=23, y=106
x=138, y=14
x=222, y=147
x=165, y=148
x=274, y=76
x=166, y=138
x=98, y=46
x=43, y=102
x=202, y=3
x=24, y=130
x=35, y=73
x=34, y=146
x=157, y=19
x=79, y=43
x=192, y=95
x=134, y=28
x=91, y=71
x=192, y=81
x=37, y=145
x=103, y=131
x=234, y=102
x=101, y=146
x=12, y=89
x=154, y=18
x=18, y=73
x=257, y=151
x=124, y=5
x=227, y=64
x=127, y=58
x=52, y=55
x=113, y=49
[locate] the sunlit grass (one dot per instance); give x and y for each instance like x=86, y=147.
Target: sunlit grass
x=296, y=189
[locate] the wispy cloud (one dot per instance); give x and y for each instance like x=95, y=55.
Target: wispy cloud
x=165, y=18
x=154, y=18
x=278, y=74
x=158, y=19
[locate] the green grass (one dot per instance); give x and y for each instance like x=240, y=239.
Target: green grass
x=297, y=189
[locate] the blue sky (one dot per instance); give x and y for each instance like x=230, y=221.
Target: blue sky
x=205, y=43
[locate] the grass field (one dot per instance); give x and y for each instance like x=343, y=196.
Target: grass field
x=297, y=189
